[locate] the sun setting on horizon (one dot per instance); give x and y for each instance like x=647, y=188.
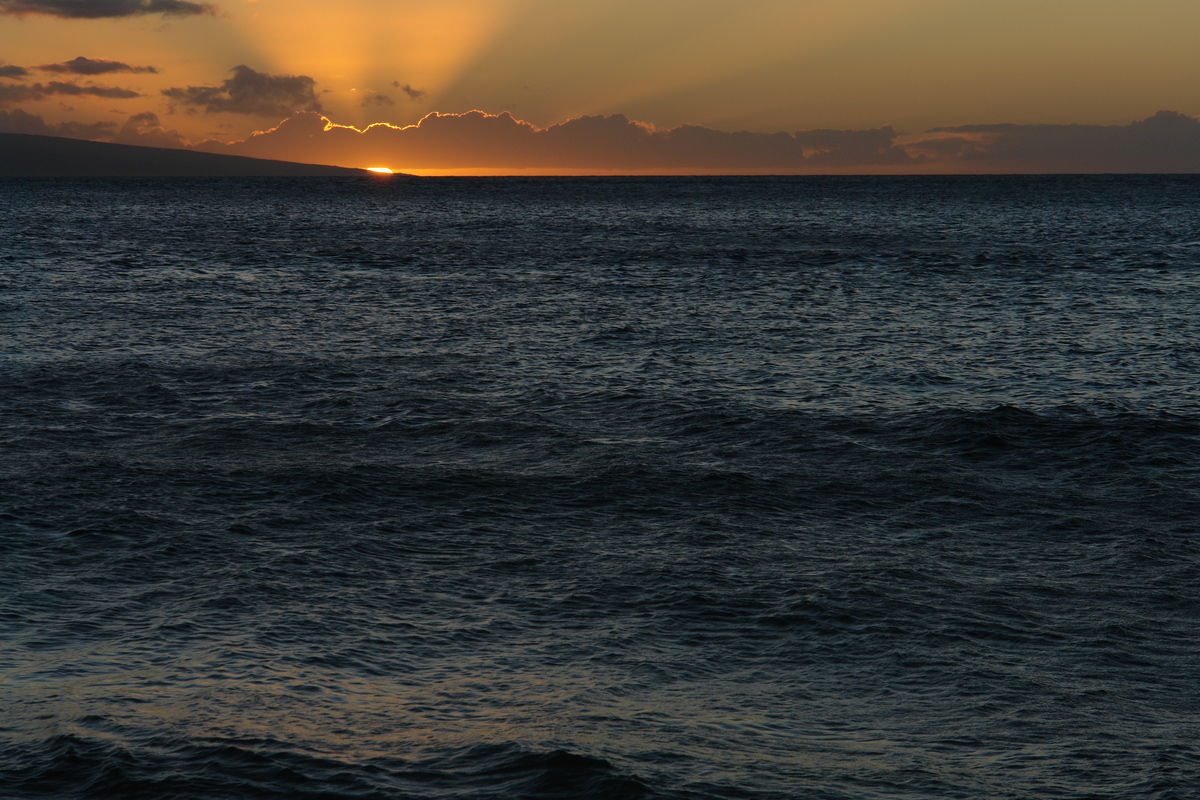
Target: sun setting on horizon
x=957, y=86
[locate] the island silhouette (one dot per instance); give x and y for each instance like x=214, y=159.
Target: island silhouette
x=31, y=156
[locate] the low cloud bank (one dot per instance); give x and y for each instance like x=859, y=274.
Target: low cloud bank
x=145, y=130
x=1165, y=142
x=476, y=140
x=142, y=129
x=18, y=121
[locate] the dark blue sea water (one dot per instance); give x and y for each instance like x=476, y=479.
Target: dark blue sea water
x=600, y=488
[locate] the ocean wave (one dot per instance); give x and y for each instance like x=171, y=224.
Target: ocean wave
x=78, y=766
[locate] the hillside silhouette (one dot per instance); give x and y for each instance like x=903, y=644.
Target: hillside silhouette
x=26, y=155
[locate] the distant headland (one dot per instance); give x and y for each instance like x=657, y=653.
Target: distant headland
x=25, y=155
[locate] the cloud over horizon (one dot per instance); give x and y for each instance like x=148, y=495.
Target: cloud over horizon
x=1165, y=142
x=101, y=9
x=611, y=143
x=18, y=121
x=145, y=130
x=247, y=91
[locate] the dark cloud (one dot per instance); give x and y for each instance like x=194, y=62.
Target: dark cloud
x=99, y=9
x=413, y=94
x=612, y=143
x=145, y=130
x=92, y=66
x=1166, y=142
x=250, y=92
x=22, y=93
x=18, y=121
x=12, y=71
x=378, y=100
x=140, y=129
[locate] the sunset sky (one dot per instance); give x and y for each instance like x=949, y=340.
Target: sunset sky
x=905, y=74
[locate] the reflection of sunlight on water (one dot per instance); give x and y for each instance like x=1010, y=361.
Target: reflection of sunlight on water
x=473, y=701
x=468, y=702
x=429, y=711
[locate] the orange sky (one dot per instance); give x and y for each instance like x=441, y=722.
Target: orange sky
x=752, y=65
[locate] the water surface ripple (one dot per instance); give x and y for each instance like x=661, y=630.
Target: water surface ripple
x=843, y=489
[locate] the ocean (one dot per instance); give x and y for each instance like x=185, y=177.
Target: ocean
x=596, y=488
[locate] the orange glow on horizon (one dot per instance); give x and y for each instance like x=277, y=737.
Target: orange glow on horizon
x=476, y=143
